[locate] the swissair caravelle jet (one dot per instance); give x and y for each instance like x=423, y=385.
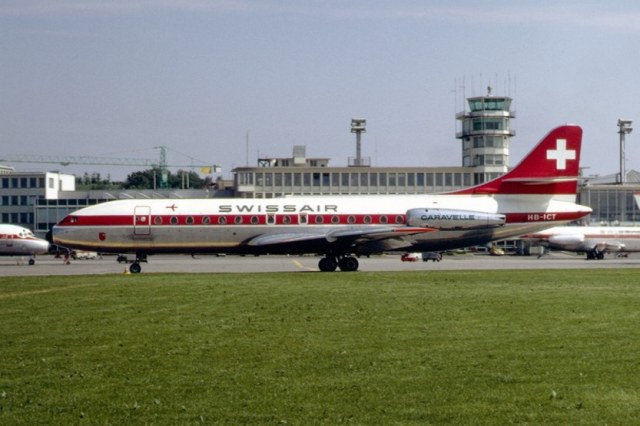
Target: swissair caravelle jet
x=535, y=195
x=18, y=241
x=595, y=241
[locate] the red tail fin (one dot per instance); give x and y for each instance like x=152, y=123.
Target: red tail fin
x=552, y=167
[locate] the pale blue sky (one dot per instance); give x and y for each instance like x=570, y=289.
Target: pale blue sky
x=116, y=78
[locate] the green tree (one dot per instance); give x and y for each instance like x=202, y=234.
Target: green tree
x=146, y=179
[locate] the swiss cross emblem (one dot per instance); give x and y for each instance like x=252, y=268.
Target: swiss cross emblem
x=561, y=154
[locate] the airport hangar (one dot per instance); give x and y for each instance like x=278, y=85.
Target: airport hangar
x=38, y=200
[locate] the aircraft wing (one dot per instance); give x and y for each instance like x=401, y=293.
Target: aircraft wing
x=351, y=235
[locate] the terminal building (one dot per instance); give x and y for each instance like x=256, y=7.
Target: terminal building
x=38, y=200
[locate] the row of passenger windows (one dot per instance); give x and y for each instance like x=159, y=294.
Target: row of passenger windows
x=276, y=219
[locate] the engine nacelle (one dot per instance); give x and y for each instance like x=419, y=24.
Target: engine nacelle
x=567, y=239
x=453, y=219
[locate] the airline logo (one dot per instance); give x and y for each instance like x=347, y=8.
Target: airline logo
x=561, y=154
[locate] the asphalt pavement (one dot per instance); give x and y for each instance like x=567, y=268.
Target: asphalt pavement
x=48, y=265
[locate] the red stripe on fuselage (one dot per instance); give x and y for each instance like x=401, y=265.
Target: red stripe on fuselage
x=284, y=219
x=544, y=217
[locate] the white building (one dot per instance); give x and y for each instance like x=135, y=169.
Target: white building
x=21, y=191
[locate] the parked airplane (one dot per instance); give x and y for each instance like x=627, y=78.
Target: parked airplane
x=18, y=241
x=595, y=241
x=536, y=194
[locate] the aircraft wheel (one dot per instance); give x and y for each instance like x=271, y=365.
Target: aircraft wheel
x=135, y=268
x=327, y=264
x=348, y=264
x=32, y=262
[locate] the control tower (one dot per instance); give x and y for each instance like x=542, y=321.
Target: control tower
x=485, y=135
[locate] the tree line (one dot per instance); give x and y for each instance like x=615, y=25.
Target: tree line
x=145, y=179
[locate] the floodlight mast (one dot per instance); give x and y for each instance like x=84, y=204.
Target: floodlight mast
x=358, y=126
x=624, y=129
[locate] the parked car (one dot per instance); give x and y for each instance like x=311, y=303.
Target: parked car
x=431, y=255
x=410, y=257
x=83, y=255
x=496, y=251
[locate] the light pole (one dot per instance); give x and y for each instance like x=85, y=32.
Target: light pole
x=625, y=129
x=358, y=126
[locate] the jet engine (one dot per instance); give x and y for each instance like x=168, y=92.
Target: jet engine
x=567, y=240
x=453, y=219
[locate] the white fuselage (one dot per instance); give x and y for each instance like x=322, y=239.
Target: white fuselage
x=587, y=238
x=283, y=225
x=18, y=241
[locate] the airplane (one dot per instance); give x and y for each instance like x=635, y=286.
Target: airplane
x=537, y=194
x=18, y=241
x=595, y=241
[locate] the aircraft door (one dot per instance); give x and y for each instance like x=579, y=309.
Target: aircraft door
x=142, y=220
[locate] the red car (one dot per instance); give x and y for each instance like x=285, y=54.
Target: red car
x=411, y=257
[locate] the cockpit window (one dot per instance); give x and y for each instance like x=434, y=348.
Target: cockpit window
x=71, y=219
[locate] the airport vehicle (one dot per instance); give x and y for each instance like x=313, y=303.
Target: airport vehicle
x=431, y=255
x=496, y=251
x=410, y=257
x=535, y=195
x=595, y=241
x=83, y=255
x=18, y=241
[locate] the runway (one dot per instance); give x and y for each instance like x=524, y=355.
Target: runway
x=48, y=265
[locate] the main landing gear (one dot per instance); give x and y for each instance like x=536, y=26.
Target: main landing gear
x=345, y=263
x=595, y=254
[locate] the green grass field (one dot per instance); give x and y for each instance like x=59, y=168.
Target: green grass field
x=491, y=347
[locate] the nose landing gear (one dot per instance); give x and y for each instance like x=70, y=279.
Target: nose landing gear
x=135, y=267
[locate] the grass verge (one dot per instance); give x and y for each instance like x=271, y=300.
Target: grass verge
x=489, y=347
